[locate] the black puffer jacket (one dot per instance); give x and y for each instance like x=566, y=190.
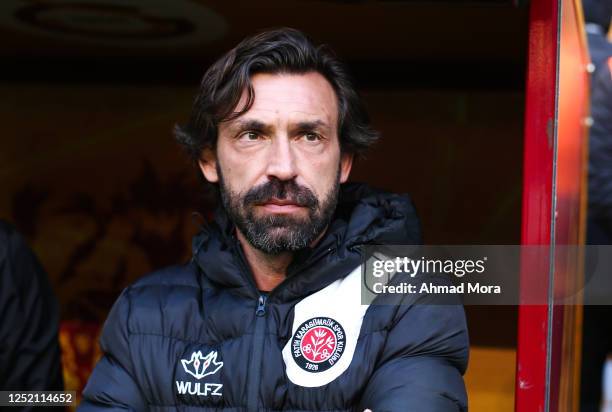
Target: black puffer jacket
x=202, y=337
x=600, y=158
x=29, y=320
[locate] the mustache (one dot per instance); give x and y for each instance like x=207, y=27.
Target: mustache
x=283, y=190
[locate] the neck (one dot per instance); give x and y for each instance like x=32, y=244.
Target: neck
x=268, y=270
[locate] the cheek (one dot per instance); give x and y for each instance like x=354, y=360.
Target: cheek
x=241, y=173
x=321, y=175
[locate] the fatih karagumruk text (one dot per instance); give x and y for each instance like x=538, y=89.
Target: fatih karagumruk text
x=430, y=266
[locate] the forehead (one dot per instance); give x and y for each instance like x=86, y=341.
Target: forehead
x=292, y=97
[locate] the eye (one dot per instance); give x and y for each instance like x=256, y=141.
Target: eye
x=250, y=136
x=312, y=137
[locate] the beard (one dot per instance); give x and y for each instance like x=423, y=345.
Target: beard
x=276, y=233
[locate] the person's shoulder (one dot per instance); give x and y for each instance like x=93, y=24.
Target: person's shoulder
x=176, y=275
x=20, y=270
x=160, y=286
x=10, y=241
x=152, y=304
x=6, y=229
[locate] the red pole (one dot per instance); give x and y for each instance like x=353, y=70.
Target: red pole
x=538, y=195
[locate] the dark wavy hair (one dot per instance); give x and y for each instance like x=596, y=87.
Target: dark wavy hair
x=282, y=50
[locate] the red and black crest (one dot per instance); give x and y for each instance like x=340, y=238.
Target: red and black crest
x=318, y=344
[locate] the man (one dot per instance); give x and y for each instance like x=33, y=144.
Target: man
x=268, y=314
x=597, y=335
x=29, y=321
x=597, y=17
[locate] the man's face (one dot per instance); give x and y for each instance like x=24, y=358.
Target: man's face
x=279, y=164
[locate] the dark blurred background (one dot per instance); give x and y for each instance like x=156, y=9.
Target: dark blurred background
x=91, y=89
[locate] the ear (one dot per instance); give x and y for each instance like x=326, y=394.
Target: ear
x=208, y=165
x=346, y=162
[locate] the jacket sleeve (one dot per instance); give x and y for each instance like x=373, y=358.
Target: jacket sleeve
x=421, y=369
x=29, y=347
x=112, y=384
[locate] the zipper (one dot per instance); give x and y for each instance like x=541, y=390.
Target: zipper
x=261, y=306
x=256, y=359
x=259, y=332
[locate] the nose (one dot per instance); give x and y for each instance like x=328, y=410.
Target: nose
x=281, y=160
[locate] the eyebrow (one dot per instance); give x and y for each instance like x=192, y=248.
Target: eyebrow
x=239, y=125
x=311, y=125
x=249, y=124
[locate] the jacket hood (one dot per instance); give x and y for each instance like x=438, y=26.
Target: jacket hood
x=364, y=215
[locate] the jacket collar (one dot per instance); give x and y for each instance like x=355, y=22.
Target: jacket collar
x=363, y=216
